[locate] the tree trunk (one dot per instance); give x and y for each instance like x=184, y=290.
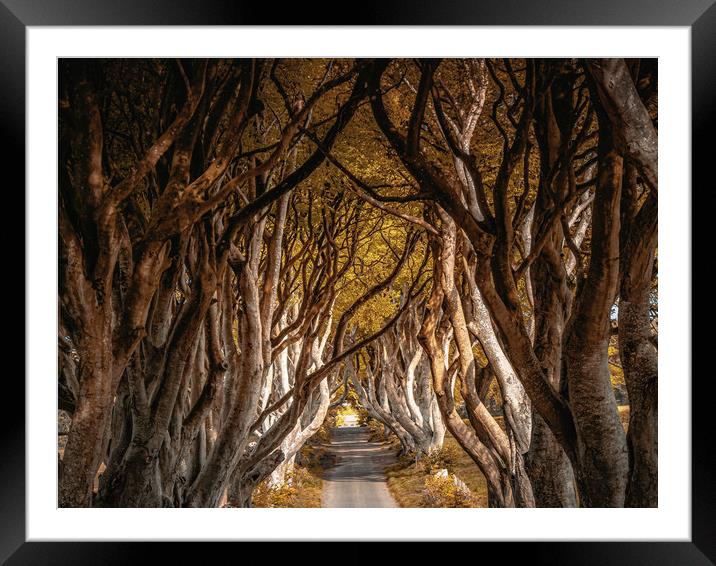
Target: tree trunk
x=83, y=451
x=601, y=442
x=639, y=358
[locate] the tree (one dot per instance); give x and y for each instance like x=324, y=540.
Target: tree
x=583, y=418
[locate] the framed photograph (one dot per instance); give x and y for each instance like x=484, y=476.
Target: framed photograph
x=393, y=279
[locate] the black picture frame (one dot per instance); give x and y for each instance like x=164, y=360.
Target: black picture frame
x=699, y=15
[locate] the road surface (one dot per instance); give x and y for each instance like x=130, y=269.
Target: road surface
x=358, y=479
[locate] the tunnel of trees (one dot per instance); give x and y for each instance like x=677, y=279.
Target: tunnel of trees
x=242, y=242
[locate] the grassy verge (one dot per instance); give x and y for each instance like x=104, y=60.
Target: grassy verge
x=304, y=486
x=413, y=483
x=302, y=489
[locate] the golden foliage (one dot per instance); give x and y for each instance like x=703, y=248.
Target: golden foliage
x=301, y=489
x=443, y=492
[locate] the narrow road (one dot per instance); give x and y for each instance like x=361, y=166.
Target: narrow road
x=358, y=479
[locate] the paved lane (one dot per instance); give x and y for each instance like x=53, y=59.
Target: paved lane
x=358, y=479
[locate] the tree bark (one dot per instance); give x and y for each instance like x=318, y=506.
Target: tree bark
x=601, y=443
x=639, y=357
